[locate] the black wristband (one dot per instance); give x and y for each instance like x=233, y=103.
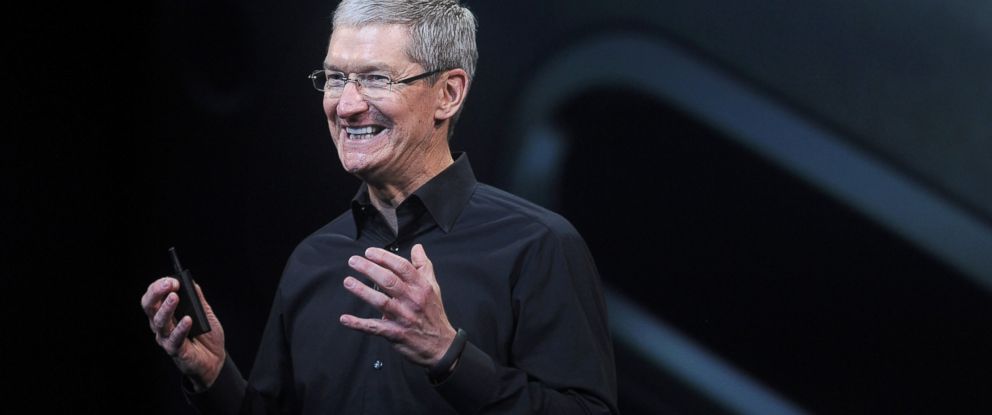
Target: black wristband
x=440, y=370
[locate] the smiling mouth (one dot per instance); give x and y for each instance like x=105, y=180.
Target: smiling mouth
x=363, y=133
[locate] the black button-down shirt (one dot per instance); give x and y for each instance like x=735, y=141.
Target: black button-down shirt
x=516, y=277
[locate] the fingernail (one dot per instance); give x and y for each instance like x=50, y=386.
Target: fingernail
x=370, y=252
x=353, y=261
x=167, y=284
x=348, y=283
x=170, y=299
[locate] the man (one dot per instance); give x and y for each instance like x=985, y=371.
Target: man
x=497, y=308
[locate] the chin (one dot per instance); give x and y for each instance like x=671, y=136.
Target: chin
x=351, y=166
x=356, y=164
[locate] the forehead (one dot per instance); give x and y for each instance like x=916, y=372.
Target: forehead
x=365, y=46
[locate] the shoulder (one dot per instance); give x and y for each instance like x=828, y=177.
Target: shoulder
x=341, y=226
x=551, y=247
x=330, y=238
x=517, y=212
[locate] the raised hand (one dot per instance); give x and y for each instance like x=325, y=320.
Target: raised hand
x=413, y=318
x=199, y=358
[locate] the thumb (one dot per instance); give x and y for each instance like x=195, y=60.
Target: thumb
x=206, y=306
x=419, y=257
x=209, y=311
x=199, y=293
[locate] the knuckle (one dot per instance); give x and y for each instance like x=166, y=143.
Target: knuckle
x=169, y=346
x=149, y=299
x=419, y=296
x=159, y=324
x=149, y=309
x=399, y=333
x=388, y=333
x=161, y=317
x=397, y=309
x=176, y=338
x=408, y=269
x=417, y=307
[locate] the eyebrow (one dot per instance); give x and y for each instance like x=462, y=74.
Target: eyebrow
x=363, y=68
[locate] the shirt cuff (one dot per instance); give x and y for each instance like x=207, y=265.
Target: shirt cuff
x=472, y=384
x=224, y=396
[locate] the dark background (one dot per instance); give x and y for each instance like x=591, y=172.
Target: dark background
x=133, y=128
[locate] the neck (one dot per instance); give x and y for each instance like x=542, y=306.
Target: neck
x=387, y=195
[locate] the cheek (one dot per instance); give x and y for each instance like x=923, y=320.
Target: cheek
x=329, y=105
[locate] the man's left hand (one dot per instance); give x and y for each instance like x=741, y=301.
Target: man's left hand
x=413, y=318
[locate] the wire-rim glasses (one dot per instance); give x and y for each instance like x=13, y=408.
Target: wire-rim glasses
x=369, y=85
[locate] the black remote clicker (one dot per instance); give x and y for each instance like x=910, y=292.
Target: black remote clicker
x=189, y=302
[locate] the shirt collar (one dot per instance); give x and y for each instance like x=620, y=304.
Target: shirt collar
x=444, y=196
x=361, y=208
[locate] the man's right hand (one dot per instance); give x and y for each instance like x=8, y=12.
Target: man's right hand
x=200, y=358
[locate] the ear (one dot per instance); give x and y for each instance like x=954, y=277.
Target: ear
x=451, y=96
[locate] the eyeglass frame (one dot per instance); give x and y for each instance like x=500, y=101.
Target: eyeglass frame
x=358, y=83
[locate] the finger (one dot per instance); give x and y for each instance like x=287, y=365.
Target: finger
x=162, y=322
x=173, y=344
x=382, y=302
x=383, y=277
x=156, y=291
x=395, y=263
x=382, y=328
x=419, y=257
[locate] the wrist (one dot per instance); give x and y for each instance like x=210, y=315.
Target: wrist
x=444, y=366
x=203, y=381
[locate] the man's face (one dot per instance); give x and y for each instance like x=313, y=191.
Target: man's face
x=401, y=123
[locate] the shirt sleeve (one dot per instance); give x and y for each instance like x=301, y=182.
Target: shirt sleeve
x=268, y=391
x=561, y=355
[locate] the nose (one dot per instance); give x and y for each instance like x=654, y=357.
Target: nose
x=351, y=101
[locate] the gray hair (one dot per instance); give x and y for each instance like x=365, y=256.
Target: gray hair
x=442, y=32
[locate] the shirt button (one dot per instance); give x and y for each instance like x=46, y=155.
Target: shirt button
x=377, y=365
x=393, y=248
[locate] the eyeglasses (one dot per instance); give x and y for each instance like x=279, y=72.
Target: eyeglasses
x=371, y=86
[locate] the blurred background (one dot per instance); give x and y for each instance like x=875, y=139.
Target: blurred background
x=789, y=201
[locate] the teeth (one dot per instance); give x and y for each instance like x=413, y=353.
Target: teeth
x=359, y=131
x=362, y=133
